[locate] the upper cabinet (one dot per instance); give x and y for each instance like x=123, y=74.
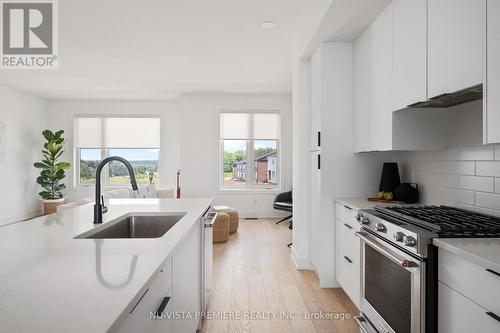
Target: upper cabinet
x=409, y=52
x=492, y=104
x=362, y=101
x=455, y=50
x=417, y=50
x=381, y=81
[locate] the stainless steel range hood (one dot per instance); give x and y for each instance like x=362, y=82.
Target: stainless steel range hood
x=450, y=99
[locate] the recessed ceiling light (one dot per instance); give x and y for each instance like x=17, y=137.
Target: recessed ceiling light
x=268, y=24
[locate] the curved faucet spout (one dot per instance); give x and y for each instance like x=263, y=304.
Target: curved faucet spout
x=99, y=206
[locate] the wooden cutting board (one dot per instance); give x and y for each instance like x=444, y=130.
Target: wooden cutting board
x=387, y=201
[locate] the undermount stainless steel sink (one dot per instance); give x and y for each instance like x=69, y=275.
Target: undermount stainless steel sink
x=136, y=226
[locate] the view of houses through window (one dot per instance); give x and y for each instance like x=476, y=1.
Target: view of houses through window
x=250, y=155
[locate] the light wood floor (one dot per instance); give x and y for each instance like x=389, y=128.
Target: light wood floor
x=255, y=275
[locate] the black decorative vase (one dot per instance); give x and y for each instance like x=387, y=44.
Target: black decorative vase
x=390, y=178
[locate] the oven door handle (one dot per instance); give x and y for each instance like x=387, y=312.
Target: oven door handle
x=363, y=324
x=387, y=253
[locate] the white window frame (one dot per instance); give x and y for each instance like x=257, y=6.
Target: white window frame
x=105, y=152
x=250, y=155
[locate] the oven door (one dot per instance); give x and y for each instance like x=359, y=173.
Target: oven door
x=392, y=288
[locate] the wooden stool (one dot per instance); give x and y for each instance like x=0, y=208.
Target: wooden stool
x=221, y=228
x=234, y=220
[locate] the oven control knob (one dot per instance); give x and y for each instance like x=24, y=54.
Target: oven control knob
x=364, y=220
x=380, y=227
x=358, y=217
x=398, y=236
x=409, y=241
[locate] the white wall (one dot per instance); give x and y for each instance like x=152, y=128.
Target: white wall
x=25, y=117
x=190, y=142
x=200, y=152
x=62, y=112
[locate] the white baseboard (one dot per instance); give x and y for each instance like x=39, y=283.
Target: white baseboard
x=301, y=263
x=328, y=283
x=20, y=218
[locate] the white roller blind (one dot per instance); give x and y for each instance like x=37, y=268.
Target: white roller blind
x=245, y=126
x=266, y=126
x=235, y=125
x=118, y=132
x=88, y=132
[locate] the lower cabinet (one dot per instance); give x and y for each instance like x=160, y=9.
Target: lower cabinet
x=174, y=292
x=186, y=286
x=348, y=276
x=458, y=314
x=156, y=297
x=468, y=296
x=348, y=253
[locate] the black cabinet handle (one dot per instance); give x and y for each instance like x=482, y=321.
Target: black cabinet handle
x=319, y=161
x=347, y=226
x=494, y=316
x=139, y=301
x=347, y=207
x=319, y=139
x=493, y=272
x=162, y=307
x=348, y=260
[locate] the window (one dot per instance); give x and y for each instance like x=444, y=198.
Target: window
x=250, y=150
x=137, y=139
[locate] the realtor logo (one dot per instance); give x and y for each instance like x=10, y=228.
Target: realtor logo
x=28, y=34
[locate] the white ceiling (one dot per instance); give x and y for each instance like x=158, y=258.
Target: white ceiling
x=160, y=49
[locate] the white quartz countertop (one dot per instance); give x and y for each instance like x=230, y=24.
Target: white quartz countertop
x=362, y=203
x=484, y=252
x=51, y=282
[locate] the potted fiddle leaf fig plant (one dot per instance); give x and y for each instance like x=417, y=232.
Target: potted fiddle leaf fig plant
x=52, y=171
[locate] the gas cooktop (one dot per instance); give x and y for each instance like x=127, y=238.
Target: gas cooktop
x=446, y=221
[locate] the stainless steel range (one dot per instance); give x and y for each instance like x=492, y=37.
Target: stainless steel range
x=399, y=263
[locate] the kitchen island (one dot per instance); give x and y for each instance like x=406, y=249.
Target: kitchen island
x=51, y=281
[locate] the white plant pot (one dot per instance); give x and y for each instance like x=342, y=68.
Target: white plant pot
x=50, y=206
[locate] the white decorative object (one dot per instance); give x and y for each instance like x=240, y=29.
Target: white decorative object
x=3, y=146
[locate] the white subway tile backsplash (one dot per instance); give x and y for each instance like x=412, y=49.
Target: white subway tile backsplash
x=488, y=200
x=461, y=196
x=497, y=152
x=491, y=169
x=460, y=168
x=443, y=180
x=479, y=153
x=479, y=210
x=468, y=178
x=483, y=184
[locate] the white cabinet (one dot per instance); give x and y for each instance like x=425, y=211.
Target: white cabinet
x=186, y=283
x=492, y=115
x=348, y=252
x=175, y=290
x=467, y=293
x=458, y=314
x=157, y=295
x=362, y=103
x=455, y=45
x=381, y=81
x=316, y=98
x=409, y=52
